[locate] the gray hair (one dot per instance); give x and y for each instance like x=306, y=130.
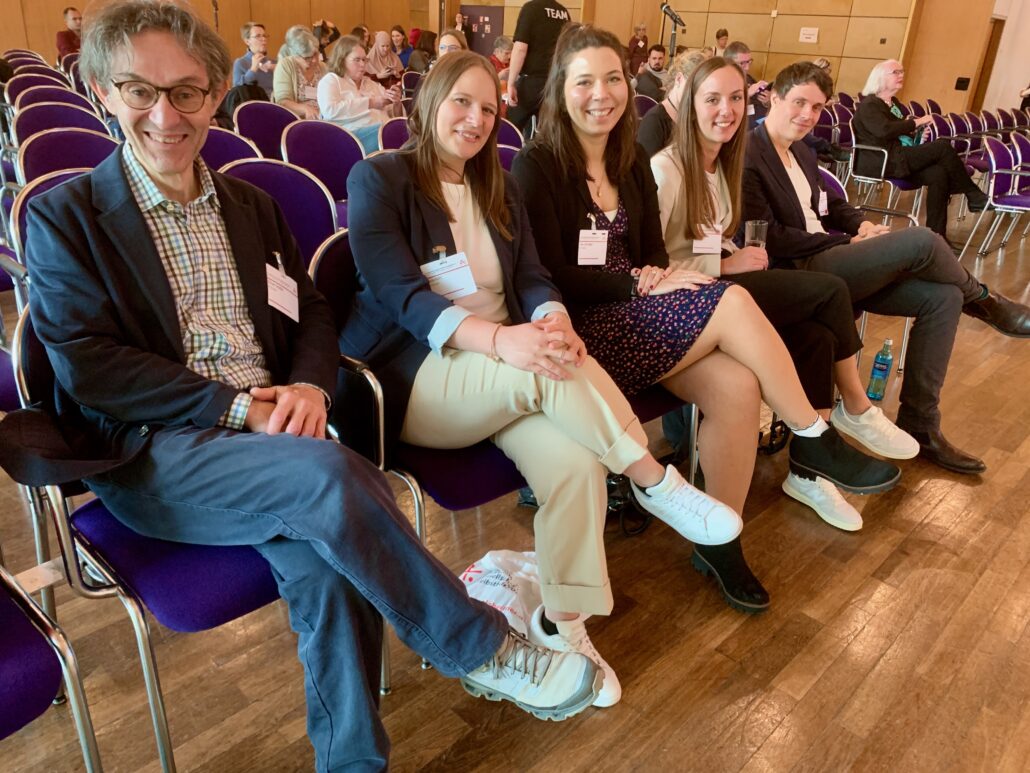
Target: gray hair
x=300, y=41
x=503, y=43
x=115, y=25
x=878, y=77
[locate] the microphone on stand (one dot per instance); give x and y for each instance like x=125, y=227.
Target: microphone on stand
x=673, y=16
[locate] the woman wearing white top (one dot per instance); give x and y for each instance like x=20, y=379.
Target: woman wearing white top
x=356, y=102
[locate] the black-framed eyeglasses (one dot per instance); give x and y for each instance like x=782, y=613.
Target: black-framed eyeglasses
x=140, y=95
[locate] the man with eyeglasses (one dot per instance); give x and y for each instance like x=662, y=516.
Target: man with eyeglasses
x=195, y=360
x=255, y=67
x=757, y=91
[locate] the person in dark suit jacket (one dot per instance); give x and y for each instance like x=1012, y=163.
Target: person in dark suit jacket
x=651, y=79
x=494, y=355
x=206, y=391
x=879, y=121
x=912, y=272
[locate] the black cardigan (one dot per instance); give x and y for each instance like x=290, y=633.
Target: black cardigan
x=874, y=124
x=558, y=203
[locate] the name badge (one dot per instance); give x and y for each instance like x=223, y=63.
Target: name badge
x=824, y=206
x=282, y=292
x=450, y=276
x=750, y=109
x=711, y=244
x=593, y=248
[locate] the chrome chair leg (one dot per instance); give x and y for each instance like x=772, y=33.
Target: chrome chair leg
x=384, y=667
x=998, y=216
x=41, y=535
x=77, y=701
x=692, y=456
x=863, y=321
x=1011, y=228
x=420, y=519
x=904, y=345
x=972, y=233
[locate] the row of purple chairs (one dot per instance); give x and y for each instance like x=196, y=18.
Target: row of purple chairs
x=913, y=108
x=1008, y=189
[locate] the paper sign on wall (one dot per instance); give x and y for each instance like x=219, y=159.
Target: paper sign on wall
x=809, y=35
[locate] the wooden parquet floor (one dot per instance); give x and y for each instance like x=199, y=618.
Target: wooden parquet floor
x=903, y=647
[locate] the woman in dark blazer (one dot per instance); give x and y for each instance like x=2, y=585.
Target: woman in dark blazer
x=879, y=121
x=470, y=337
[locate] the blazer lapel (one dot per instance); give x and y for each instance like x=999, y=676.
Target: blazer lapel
x=437, y=225
x=776, y=171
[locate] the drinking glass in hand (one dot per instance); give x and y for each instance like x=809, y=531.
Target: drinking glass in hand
x=754, y=233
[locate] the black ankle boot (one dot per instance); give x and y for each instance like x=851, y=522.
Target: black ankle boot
x=738, y=584
x=828, y=456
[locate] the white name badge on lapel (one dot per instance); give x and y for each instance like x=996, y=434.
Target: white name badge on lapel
x=750, y=109
x=593, y=248
x=711, y=244
x=824, y=206
x=450, y=276
x=282, y=291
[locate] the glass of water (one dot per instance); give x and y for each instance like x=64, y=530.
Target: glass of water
x=754, y=233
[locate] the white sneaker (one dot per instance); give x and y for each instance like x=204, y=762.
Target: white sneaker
x=572, y=637
x=546, y=683
x=695, y=515
x=823, y=497
x=876, y=432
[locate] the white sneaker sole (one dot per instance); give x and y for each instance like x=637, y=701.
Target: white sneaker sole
x=845, y=430
x=555, y=714
x=793, y=493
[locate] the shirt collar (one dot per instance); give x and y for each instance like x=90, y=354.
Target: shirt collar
x=149, y=196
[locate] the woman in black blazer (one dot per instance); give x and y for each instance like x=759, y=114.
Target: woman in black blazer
x=471, y=340
x=879, y=121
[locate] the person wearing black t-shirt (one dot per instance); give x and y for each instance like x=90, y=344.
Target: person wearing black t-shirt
x=536, y=32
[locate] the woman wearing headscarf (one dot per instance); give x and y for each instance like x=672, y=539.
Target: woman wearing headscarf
x=383, y=65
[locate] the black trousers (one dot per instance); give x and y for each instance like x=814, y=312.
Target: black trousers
x=530, y=89
x=937, y=166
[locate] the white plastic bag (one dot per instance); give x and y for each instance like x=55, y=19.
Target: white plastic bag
x=509, y=582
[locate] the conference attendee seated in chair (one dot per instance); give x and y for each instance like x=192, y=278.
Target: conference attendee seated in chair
x=655, y=129
x=68, y=39
x=298, y=72
x=255, y=67
x=879, y=121
x=591, y=199
x=383, y=64
x=425, y=50
x=699, y=192
x=651, y=80
x=194, y=357
x=911, y=272
x=352, y=99
x=401, y=46
x=757, y=91
x=469, y=337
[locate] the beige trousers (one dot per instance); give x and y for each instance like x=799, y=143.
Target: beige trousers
x=562, y=435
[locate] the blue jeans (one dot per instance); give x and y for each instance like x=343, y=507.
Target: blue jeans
x=342, y=554
x=368, y=136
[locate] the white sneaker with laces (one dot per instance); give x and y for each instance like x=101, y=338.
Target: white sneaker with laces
x=823, y=497
x=875, y=431
x=695, y=515
x=572, y=637
x=547, y=683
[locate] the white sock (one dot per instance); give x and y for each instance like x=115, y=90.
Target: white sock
x=666, y=484
x=815, y=429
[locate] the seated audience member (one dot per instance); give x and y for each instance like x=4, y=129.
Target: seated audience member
x=722, y=39
x=298, y=72
x=255, y=67
x=655, y=130
x=708, y=52
x=384, y=66
x=450, y=41
x=352, y=99
x=400, y=44
x=757, y=91
x=209, y=406
x=878, y=121
x=652, y=76
x=646, y=323
x=638, y=49
x=501, y=57
x=424, y=52
x=911, y=272
x=826, y=150
x=499, y=358
x=699, y=191
x=68, y=40
x=327, y=34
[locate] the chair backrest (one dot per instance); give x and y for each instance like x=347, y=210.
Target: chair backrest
x=54, y=93
x=53, y=115
x=917, y=109
x=933, y=106
x=940, y=126
x=1001, y=162
x=223, y=146
x=904, y=109
x=832, y=183
x=334, y=274
x=54, y=150
x=824, y=125
x=509, y=134
x=1020, y=117
x=1021, y=146
x=959, y=122
x=306, y=203
x=393, y=134
x=842, y=117
x=506, y=153
x=38, y=68
x=263, y=123
x=408, y=104
x=643, y=104
x=20, y=209
x=846, y=99
x=68, y=60
x=409, y=81
x=20, y=83
x=990, y=121
x=325, y=149
x=14, y=53
x=1005, y=119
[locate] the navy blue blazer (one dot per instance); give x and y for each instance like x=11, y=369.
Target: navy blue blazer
x=769, y=195
x=102, y=305
x=393, y=230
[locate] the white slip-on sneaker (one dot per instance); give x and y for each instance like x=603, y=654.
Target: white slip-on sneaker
x=823, y=497
x=695, y=515
x=572, y=637
x=547, y=683
x=875, y=431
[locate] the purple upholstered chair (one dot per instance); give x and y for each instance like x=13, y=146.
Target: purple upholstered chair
x=19, y=83
x=306, y=203
x=1007, y=192
x=825, y=126
x=53, y=115
x=872, y=183
x=54, y=150
x=37, y=68
x=643, y=104
x=507, y=154
x=223, y=146
x=263, y=123
x=847, y=100
x=67, y=61
x=409, y=82
x=22, y=53
x=54, y=93
x=917, y=109
x=393, y=134
x=20, y=210
x=35, y=657
x=327, y=151
x=933, y=106
x=509, y=134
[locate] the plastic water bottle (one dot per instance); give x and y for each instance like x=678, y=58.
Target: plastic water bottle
x=881, y=371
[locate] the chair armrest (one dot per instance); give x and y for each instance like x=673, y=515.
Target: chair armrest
x=875, y=148
x=16, y=270
x=359, y=368
x=889, y=213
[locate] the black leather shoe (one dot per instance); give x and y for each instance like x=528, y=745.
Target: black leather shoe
x=934, y=447
x=978, y=201
x=726, y=563
x=1005, y=316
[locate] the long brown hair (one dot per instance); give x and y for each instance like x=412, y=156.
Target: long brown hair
x=556, y=132
x=701, y=208
x=338, y=56
x=483, y=171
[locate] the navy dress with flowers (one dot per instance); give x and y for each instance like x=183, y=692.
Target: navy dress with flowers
x=640, y=340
